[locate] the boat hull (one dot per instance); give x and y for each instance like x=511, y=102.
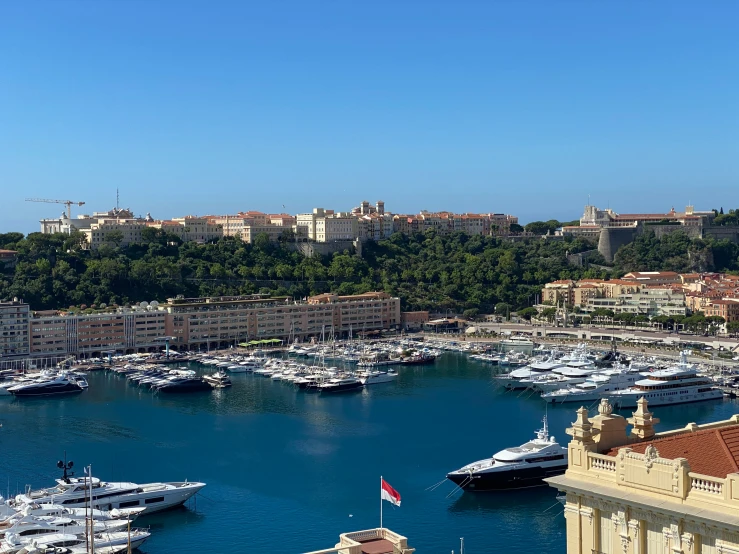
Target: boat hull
x=341, y=388
x=522, y=478
x=629, y=401
x=69, y=388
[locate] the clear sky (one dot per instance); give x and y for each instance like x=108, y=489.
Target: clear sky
x=525, y=107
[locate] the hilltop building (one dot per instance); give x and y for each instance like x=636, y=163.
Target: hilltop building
x=613, y=230
x=362, y=223
x=650, y=493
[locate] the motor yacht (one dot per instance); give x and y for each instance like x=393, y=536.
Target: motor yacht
x=38, y=526
x=63, y=383
x=514, y=380
x=184, y=384
x=377, y=377
x=340, y=384
x=679, y=384
x=518, y=467
x=594, y=387
x=64, y=543
x=74, y=492
x=218, y=380
x=58, y=510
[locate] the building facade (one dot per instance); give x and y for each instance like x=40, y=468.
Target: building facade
x=645, y=493
x=14, y=318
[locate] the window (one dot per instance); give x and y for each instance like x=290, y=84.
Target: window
x=154, y=500
x=129, y=504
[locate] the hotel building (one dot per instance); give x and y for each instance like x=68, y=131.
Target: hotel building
x=675, y=492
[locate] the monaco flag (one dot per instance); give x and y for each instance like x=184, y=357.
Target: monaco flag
x=390, y=494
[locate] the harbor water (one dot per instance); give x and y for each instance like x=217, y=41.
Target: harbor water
x=288, y=470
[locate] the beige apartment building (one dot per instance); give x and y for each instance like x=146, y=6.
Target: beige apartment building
x=675, y=492
x=54, y=333
x=192, y=323
x=190, y=228
x=14, y=317
x=200, y=323
x=248, y=225
x=128, y=230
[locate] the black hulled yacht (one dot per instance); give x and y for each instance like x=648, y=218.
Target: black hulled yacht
x=518, y=467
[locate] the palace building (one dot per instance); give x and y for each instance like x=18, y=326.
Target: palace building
x=675, y=492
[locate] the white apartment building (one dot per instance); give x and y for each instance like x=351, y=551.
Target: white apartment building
x=646, y=301
x=84, y=222
x=327, y=226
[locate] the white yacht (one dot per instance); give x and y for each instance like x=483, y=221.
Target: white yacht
x=517, y=342
x=58, y=510
x=377, y=377
x=517, y=467
x=68, y=543
x=594, y=387
x=514, y=380
x=675, y=385
x=38, y=526
x=73, y=492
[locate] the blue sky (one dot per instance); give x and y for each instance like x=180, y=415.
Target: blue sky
x=194, y=107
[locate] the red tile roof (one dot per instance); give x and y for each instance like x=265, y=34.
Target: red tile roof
x=713, y=452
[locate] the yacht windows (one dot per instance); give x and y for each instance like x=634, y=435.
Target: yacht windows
x=544, y=459
x=154, y=500
x=129, y=504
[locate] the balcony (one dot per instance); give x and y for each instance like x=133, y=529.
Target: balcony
x=669, y=477
x=371, y=541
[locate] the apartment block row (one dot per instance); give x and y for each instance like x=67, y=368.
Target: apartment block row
x=651, y=293
x=640, y=293
x=120, y=227
x=192, y=324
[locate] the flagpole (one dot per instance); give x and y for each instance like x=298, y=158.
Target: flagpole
x=380, y=501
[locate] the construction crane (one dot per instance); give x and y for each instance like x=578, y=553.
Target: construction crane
x=67, y=203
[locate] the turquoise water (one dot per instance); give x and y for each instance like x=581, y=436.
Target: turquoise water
x=288, y=471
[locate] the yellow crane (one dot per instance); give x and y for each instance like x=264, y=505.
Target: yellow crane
x=67, y=203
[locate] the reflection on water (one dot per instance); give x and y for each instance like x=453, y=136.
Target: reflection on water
x=284, y=463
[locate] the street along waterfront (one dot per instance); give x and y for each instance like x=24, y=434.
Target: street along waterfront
x=287, y=471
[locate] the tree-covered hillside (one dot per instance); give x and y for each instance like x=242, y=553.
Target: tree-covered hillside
x=454, y=272
x=428, y=271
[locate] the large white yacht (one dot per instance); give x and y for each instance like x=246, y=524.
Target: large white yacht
x=517, y=467
x=73, y=492
x=675, y=385
x=594, y=387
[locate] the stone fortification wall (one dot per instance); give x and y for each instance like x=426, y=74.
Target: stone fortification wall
x=718, y=232
x=613, y=238
x=310, y=249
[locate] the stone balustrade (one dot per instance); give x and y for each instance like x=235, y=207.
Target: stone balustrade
x=706, y=484
x=601, y=462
